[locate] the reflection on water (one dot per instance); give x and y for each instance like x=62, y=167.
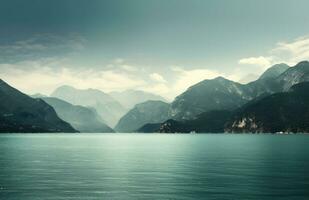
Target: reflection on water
x=136, y=166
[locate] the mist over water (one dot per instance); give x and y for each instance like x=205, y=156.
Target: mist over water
x=132, y=166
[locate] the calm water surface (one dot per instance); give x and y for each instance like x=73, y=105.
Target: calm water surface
x=136, y=166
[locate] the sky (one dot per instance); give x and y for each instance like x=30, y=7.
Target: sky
x=159, y=46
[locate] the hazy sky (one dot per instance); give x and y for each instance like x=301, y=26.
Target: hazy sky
x=161, y=46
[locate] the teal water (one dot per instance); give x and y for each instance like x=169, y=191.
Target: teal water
x=153, y=166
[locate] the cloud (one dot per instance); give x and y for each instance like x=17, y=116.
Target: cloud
x=41, y=76
x=289, y=52
x=129, y=68
x=260, y=61
x=292, y=52
x=41, y=46
x=248, y=78
x=157, y=77
x=119, y=61
x=159, y=88
x=44, y=73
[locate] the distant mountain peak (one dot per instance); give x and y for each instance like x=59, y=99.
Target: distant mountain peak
x=216, y=80
x=151, y=111
x=65, y=87
x=296, y=74
x=220, y=78
x=150, y=102
x=302, y=66
x=304, y=62
x=107, y=107
x=72, y=89
x=129, y=98
x=83, y=119
x=274, y=71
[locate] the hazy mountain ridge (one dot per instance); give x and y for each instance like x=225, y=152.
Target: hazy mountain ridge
x=107, y=107
x=129, y=98
x=21, y=113
x=83, y=119
x=147, y=112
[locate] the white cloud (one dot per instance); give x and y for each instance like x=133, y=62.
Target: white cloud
x=289, y=52
x=157, y=77
x=42, y=77
x=260, y=61
x=248, y=78
x=129, y=68
x=119, y=61
x=292, y=52
x=159, y=88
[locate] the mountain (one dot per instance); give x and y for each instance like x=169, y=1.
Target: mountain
x=150, y=128
x=107, y=107
x=267, y=83
x=20, y=113
x=208, y=122
x=207, y=95
x=83, y=119
x=274, y=71
x=129, y=98
x=280, y=112
x=143, y=113
x=223, y=94
x=297, y=74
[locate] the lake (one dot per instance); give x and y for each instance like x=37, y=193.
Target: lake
x=153, y=166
